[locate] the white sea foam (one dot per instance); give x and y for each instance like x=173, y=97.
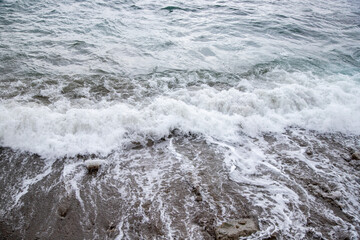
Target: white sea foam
x=279, y=197
x=94, y=163
x=114, y=74
x=65, y=128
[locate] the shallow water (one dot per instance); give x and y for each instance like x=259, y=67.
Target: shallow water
x=256, y=103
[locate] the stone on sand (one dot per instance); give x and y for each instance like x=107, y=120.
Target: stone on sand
x=93, y=166
x=355, y=156
x=234, y=229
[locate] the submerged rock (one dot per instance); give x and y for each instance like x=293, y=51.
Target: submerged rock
x=309, y=152
x=196, y=191
x=93, y=166
x=198, y=199
x=236, y=228
x=355, y=156
x=63, y=210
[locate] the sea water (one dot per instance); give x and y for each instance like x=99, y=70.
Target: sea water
x=255, y=102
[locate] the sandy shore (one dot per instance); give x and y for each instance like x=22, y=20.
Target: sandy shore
x=147, y=193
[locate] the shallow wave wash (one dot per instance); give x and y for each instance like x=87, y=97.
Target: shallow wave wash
x=163, y=120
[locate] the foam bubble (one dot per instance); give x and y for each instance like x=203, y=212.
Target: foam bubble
x=66, y=128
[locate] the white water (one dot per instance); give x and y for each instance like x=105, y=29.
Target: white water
x=66, y=129
x=101, y=77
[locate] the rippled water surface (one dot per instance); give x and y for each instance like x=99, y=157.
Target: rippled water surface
x=256, y=103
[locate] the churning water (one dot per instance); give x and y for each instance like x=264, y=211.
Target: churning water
x=256, y=103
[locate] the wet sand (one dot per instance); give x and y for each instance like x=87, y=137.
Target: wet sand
x=145, y=192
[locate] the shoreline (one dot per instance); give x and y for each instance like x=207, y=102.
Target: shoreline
x=181, y=187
